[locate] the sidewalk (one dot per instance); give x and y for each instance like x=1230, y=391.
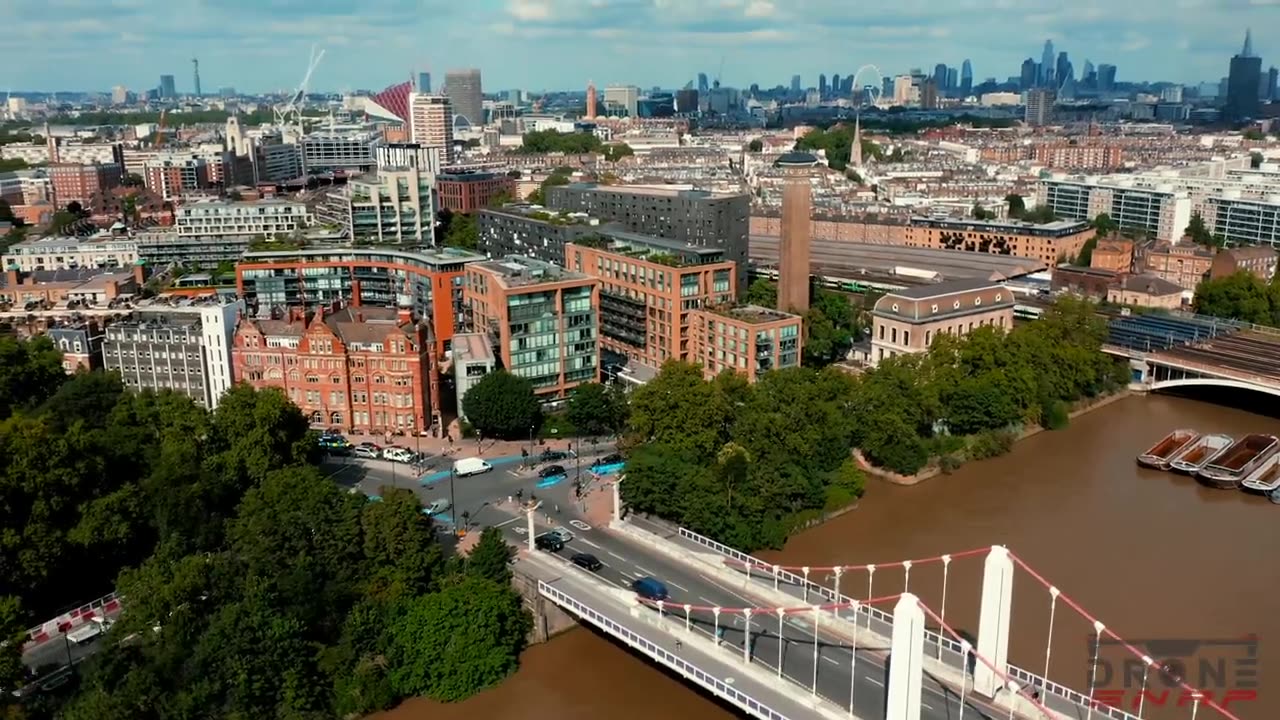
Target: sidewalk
x=458, y=446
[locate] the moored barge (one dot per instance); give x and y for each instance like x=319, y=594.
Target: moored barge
x=1229, y=467
x=1265, y=478
x=1159, y=456
x=1198, y=453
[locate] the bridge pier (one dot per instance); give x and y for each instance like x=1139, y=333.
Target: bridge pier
x=993, y=622
x=906, y=660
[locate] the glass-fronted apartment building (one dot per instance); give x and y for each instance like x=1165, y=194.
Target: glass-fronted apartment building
x=748, y=339
x=543, y=320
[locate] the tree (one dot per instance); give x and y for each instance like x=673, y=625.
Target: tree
x=1085, y=258
x=829, y=326
x=1016, y=205
x=1241, y=296
x=462, y=232
x=134, y=180
x=456, y=642
x=13, y=635
x=594, y=409
x=981, y=213
x=490, y=557
x=1199, y=233
x=1104, y=225
x=762, y=292
x=63, y=221
x=502, y=405
x=30, y=372
x=755, y=145
x=616, y=151
x=399, y=543
x=6, y=212
x=550, y=141
x=75, y=208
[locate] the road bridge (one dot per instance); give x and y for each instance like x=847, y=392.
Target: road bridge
x=1167, y=352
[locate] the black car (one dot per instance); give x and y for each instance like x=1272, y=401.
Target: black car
x=549, y=455
x=613, y=459
x=551, y=471
x=548, y=542
x=586, y=561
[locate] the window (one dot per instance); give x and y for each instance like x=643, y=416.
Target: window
x=881, y=332
x=893, y=335
x=977, y=301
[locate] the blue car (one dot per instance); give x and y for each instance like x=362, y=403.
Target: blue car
x=650, y=589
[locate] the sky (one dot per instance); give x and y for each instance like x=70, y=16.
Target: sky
x=264, y=45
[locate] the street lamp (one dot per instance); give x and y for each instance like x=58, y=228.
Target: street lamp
x=452, y=503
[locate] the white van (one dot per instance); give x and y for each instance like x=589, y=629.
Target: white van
x=470, y=466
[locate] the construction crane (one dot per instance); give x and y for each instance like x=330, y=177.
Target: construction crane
x=290, y=113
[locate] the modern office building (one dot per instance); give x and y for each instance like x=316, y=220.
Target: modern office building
x=543, y=320
x=173, y=177
x=424, y=82
x=1243, y=221
x=361, y=277
x=427, y=159
x=470, y=190
x=431, y=122
x=747, y=339
x=648, y=288
x=363, y=369
x=78, y=183
x=621, y=100
x=168, y=91
x=1243, y=81
x=697, y=217
x=1047, y=242
x=1040, y=103
x=1160, y=210
x=184, y=349
x=793, y=252
x=532, y=231
x=472, y=359
x=348, y=151
x=62, y=253
x=214, y=216
x=463, y=87
x=906, y=321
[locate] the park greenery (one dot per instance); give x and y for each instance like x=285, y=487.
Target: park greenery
x=551, y=141
x=559, y=176
x=255, y=586
x=1241, y=296
x=749, y=464
x=596, y=409
x=837, y=141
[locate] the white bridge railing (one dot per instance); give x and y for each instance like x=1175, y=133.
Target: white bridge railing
x=691, y=672
x=769, y=572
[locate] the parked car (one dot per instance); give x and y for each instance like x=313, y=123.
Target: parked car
x=548, y=542
x=606, y=461
x=586, y=561
x=551, y=471
x=364, y=451
x=550, y=455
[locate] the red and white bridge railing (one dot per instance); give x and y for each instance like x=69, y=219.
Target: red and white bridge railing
x=104, y=607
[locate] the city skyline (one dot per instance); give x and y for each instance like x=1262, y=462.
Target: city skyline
x=541, y=44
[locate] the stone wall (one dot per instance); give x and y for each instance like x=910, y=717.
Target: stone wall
x=548, y=619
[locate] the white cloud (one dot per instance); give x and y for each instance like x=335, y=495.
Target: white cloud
x=760, y=9
x=529, y=9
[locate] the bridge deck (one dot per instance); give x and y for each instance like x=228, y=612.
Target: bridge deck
x=1245, y=352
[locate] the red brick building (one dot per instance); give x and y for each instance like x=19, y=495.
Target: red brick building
x=358, y=368
x=78, y=183
x=467, y=191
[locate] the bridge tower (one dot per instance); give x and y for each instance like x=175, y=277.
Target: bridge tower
x=906, y=660
x=993, y=622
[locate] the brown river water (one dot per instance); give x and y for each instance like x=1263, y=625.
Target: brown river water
x=1152, y=555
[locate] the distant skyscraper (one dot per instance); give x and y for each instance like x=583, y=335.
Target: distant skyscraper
x=622, y=100
x=795, y=83
x=464, y=90
x=1046, y=64
x=167, y=88
x=953, y=79
x=195, y=71
x=835, y=84
x=966, y=78
x=940, y=76
x=1273, y=83
x=822, y=85
x=431, y=123
x=1242, y=83
x=1088, y=76
x=424, y=82
x=1029, y=77
x=703, y=87
x=1062, y=70
x=1106, y=77
x=1040, y=107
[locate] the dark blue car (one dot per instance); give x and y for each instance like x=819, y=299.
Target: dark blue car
x=650, y=589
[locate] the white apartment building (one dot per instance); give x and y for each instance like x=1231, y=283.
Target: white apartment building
x=213, y=216
x=77, y=153
x=431, y=122
x=339, y=150
x=63, y=253
x=1243, y=221
x=1162, y=212
x=395, y=204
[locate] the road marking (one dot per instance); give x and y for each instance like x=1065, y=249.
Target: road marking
x=833, y=662
x=520, y=531
x=646, y=572
x=579, y=524
x=504, y=523
x=926, y=706
x=677, y=586
x=588, y=542
x=616, y=555
x=707, y=600
x=874, y=681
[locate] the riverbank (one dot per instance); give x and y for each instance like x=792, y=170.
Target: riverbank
x=936, y=465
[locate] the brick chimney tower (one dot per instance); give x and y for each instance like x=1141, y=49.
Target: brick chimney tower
x=591, y=100
x=793, y=248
